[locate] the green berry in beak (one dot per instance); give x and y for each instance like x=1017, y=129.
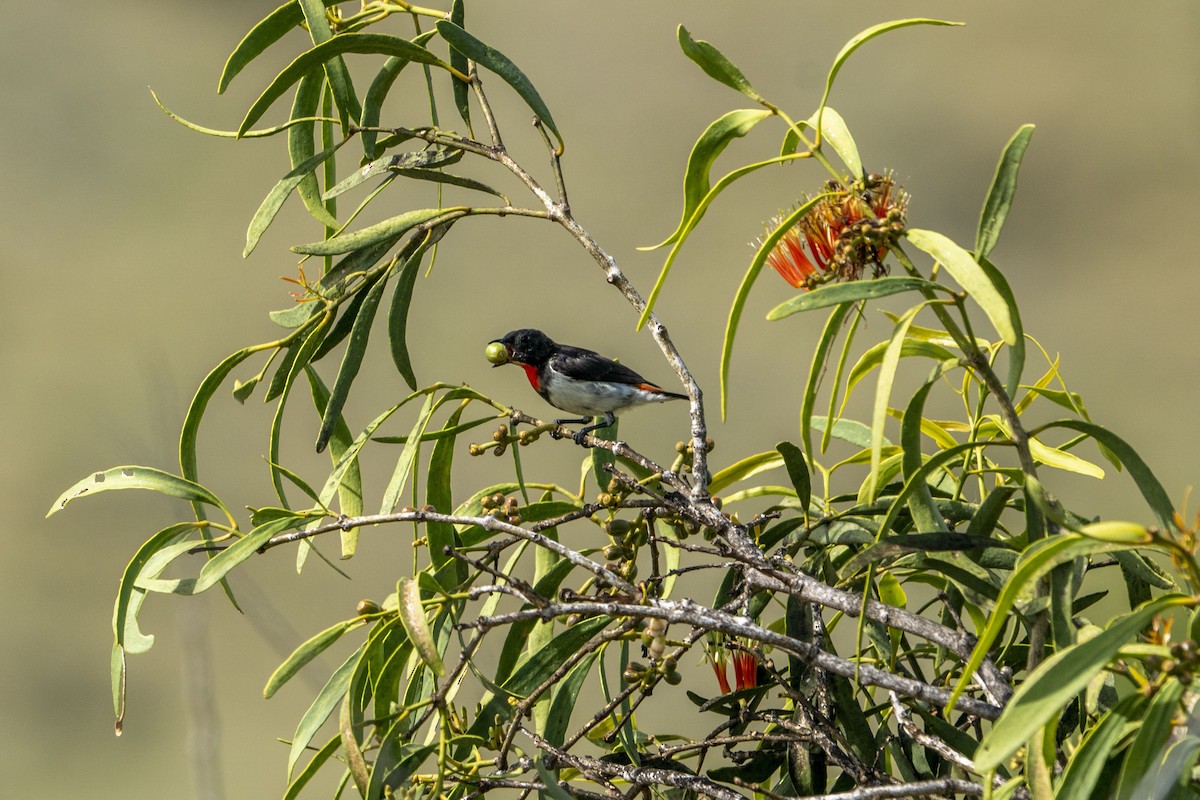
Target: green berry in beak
x=496, y=354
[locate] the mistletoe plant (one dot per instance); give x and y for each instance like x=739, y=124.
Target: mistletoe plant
x=906, y=620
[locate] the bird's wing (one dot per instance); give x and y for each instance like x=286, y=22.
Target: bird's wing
x=585, y=365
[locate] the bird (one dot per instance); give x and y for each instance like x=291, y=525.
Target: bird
x=576, y=380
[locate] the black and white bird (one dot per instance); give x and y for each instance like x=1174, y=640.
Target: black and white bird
x=575, y=380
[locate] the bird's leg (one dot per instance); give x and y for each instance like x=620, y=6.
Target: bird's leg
x=609, y=419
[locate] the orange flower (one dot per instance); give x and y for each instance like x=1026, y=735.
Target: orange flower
x=849, y=229
x=745, y=669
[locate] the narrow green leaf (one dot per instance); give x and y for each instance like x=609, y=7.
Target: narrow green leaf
x=294, y=316
x=117, y=675
x=302, y=144
x=330, y=51
x=220, y=565
x=490, y=58
x=274, y=200
x=337, y=76
x=439, y=494
x=565, y=695
x=412, y=615
x=351, y=362
x=374, y=234
x=708, y=147
x=926, y=516
x=837, y=293
x=797, y=470
x=817, y=370
x=1171, y=778
x=378, y=92
x=398, y=318
x=348, y=484
x=716, y=65
x=294, y=361
x=195, y=413
x=1147, y=749
x=1061, y=459
x=745, y=468
x=1001, y=193
x=883, y=393
x=601, y=457
x=1087, y=763
x=133, y=477
x=391, y=496
x=306, y=652
x=331, y=694
x=1016, y=350
x=964, y=269
x=743, y=292
x=462, y=92
x=312, y=767
x=1060, y=677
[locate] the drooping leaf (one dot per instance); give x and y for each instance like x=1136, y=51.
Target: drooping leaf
x=705, y=151
x=438, y=494
x=492, y=59
x=692, y=221
x=337, y=77
x=1148, y=746
x=1037, y=560
x=883, y=393
x=1016, y=350
x=391, y=496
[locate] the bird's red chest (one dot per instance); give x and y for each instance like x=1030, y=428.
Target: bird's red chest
x=531, y=372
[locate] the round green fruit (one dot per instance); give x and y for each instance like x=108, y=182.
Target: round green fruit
x=496, y=353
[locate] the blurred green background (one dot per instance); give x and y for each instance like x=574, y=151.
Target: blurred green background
x=123, y=233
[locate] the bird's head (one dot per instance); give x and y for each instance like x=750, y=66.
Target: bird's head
x=524, y=346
